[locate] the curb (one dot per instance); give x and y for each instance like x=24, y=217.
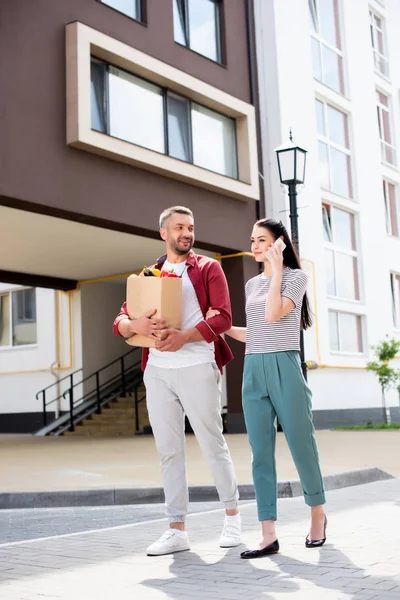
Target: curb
x=153, y=495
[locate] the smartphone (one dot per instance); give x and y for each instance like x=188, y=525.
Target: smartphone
x=279, y=244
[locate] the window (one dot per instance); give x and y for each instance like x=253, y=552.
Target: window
x=388, y=150
x=326, y=43
x=378, y=44
x=341, y=260
x=395, y=287
x=197, y=26
x=345, y=332
x=334, y=150
x=131, y=8
x=132, y=109
x=18, y=318
x=392, y=208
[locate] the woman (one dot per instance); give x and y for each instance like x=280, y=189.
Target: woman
x=273, y=383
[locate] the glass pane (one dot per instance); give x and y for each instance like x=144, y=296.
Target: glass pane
x=312, y=11
x=24, y=317
x=98, y=102
x=179, y=128
x=393, y=290
x=382, y=99
x=343, y=229
x=397, y=295
x=393, y=209
x=337, y=126
x=316, y=58
x=379, y=38
x=346, y=276
x=300, y=164
x=136, y=110
x=319, y=109
x=180, y=22
x=5, y=329
x=128, y=7
x=323, y=165
x=286, y=162
x=214, y=141
x=330, y=273
x=332, y=69
x=329, y=21
x=387, y=206
x=204, y=28
x=386, y=126
x=326, y=224
x=350, y=333
x=340, y=173
x=388, y=153
x=333, y=331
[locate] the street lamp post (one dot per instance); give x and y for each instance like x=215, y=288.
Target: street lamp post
x=292, y=169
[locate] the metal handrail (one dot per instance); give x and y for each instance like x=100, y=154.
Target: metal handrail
x=99, y=386
x=122, y=376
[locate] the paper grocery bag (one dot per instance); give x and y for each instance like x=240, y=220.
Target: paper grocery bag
x=146, y=293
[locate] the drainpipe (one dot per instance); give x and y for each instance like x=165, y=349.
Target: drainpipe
x=56, y=363
x=254, y=99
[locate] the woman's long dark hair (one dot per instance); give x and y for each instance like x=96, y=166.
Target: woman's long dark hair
x=290, y=259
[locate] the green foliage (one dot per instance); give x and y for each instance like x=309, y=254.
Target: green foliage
x=369, y=426
x=384, y=352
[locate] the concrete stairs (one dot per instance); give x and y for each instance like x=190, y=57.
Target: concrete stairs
x=116, y=420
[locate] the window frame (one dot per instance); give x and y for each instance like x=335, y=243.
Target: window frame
x=335, y=249
x=317, y=36
x=11, y=345
x=392, y=229
x=374, y=29
x=165, y=93
x=219, y=31
x=83, y=41
x=324, y=138
x=381, y=108
x=395, y=297
x=142, y=11
x=360, y=333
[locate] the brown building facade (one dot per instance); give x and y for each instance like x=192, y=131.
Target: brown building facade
x=112, y=111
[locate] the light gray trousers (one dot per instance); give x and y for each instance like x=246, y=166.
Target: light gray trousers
x=194, y=391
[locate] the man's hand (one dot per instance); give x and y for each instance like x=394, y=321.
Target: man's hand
x=143, y=325
x=175, y=340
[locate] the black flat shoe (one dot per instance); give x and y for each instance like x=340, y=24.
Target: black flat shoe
x=317, y=543
x=271, y=549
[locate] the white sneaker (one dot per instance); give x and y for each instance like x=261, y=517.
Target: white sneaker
x=231, y=533
x=171, y=541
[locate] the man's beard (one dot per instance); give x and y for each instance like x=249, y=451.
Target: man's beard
x=182, y=252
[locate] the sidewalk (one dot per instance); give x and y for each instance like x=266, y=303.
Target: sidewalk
x=64, y=463
x=360, y=560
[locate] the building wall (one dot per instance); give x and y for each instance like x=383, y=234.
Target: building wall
x=100, y=304
x=82, y=185
x=288, y=92
x=25, y=370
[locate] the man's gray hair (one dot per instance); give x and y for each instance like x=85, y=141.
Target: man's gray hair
x=168, y=212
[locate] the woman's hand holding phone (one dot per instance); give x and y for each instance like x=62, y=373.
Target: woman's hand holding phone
x=275, y=254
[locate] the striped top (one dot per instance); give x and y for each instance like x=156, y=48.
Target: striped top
x=281, y=335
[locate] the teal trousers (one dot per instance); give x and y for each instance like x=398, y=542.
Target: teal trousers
x=274, y=386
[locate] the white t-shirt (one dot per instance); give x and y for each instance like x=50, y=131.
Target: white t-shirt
x=193, y=353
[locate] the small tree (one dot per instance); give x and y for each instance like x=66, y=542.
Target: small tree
x=388, y=377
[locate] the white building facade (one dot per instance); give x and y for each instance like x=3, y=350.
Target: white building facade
x=328, y=69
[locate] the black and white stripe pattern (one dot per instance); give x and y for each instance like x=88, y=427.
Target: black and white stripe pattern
x=281, y=335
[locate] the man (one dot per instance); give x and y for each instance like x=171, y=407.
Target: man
x=182, y=376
